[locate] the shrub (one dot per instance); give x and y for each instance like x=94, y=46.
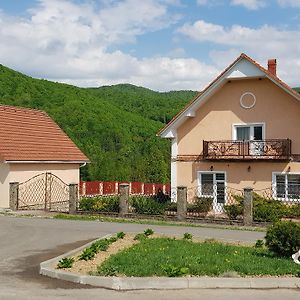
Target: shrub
x=100, y=204
x=65, y=263
x=172, y=206
x=112, y=239
x=267, y=210
x=148, y=205
x=283, y=238
x=100, y=245
x=187, y=236
x=201, y=205
x=87, y=254
x=140, y=237
x=120, y=235
x=293, y=211
x=233, y=211
x=148, y=232
x=264, y=209
x=259, y=244
x=87, y=204
x=161, y=197
x=173, y=271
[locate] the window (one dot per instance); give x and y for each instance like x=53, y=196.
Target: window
x=249, y=132
x=252, y=136
x=212, y=184
x=287, y=186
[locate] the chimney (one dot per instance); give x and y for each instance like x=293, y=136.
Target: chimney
x=272, y=64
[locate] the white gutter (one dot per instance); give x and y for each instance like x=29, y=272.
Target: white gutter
x=45, y=161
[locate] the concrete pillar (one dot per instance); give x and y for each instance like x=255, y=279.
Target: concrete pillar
x=13, y=195
x=248, y=206
x=73, y=198
x=181, y=202
x=124, y=199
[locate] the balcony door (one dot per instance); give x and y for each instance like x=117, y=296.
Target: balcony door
x=253, y=135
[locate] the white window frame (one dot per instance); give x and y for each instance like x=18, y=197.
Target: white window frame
x=251, y=125
x=199, y=192
x=274, y=185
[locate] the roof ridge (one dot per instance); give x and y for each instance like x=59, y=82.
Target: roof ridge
x=241, y=56
x=21, y=108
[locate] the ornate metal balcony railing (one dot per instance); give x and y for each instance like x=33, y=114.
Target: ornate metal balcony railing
x=247, y=150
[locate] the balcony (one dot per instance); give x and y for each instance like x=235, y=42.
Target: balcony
x=247, y=150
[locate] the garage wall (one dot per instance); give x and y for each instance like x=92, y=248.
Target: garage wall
x=20, y=172
x=4, y=185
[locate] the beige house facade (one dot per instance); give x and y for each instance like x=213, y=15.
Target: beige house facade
x=242, y=131
x=21, y=172
x=31, y=143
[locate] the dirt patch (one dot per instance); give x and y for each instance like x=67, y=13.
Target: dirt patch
x=90, y=266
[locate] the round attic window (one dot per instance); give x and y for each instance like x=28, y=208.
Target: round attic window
x=247, y=100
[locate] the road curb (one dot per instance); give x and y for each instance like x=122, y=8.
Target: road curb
x=48, y=268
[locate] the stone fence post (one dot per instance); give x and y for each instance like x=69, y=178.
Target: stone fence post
x=13, y=195
x=248, y=206
x=73, y=198
x=181, y=202
x=124, y=199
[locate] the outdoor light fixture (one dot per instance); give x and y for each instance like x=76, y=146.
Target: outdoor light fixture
x=211, y=168
x=249, y=168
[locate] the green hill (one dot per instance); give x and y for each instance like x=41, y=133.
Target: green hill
x=114, y=125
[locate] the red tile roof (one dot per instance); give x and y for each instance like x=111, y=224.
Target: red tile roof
x=31, y=135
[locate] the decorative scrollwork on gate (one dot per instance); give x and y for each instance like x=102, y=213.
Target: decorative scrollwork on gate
x=45, y=191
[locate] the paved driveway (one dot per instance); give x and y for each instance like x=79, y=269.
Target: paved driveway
x=25, y=242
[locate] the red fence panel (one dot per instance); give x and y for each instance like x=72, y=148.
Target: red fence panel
x=158, y=187
x=148, y=189
x=168, y=189
x=137, y=188
x=80, y=187
x=92, y=187
x=109, y=188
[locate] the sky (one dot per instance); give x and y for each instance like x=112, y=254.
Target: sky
x=159, y=44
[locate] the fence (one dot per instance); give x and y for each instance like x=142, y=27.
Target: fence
x=100, y=188
x=44, y=191
x=215, y=203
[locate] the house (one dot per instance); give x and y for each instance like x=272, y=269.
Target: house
x=242, y=130
x=31, y=143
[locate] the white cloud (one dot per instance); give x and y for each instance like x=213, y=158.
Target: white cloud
x=292, y=3
x=209, y=3
x=177, y=52
x=260, y=43
x=202, y=2
x=249, y=4
x=69, y=42
x=161, y=73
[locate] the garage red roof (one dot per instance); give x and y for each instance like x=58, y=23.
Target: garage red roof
x=31, y=135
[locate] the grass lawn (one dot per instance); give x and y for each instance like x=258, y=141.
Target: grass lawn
x=170, y=257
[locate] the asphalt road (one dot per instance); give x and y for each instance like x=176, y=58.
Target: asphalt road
x=25, y=242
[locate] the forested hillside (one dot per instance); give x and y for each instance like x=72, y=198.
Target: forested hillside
x=114, y=125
